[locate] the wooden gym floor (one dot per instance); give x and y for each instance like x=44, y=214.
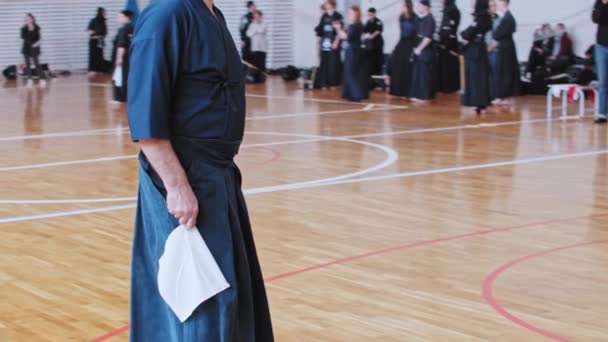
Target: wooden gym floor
x=379, y=221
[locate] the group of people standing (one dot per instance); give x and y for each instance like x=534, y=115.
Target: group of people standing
x=423, y=62
x=363, y=52
x=98, y=30
x=420, y=66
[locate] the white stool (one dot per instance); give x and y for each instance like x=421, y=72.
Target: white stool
x=561, y=90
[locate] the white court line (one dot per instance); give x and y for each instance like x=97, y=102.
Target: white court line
x=314, y=99
x=391, y=157
x=462, y=168
x=66, y=213
x=110, y=131
x=282, y=97
x=71, y=201
x=346, y=181
x=65, y=163
x=124, y=130
x=283, y=116
x=279, y=143
x=456, y=128
x=132, y=156
x=90, y=132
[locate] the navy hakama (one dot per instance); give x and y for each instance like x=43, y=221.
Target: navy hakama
x=507, y=66
x=477, y=63
x=448, y=65
x=356, y=76
x=399, y=67
x=423, y=87
x=374, y=47
x=188, y=87
x=97, y=62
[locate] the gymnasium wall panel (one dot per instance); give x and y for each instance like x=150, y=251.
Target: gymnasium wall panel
x=65, y=40
x=63, y=24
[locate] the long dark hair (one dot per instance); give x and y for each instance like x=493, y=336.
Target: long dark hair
x=35, y=24
x=100, y=13
x=410, y=10
x=449, y=6
x=482, y=7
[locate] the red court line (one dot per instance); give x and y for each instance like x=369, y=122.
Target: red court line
x=488, y=288
x=394, y=249
x=276, y=155
x=111, y=334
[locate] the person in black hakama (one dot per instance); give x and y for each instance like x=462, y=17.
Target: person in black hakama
x=329, y=74
x=399, y=67
x=121, y=55
x=186, y=106
x=30, y=34
x=423, y=89
x=97, y=40
x=374, y=42
x=507, y=66
x=492, y=45
x=355, y=85
x=477, y=67
x=448, y=57
x=246, y=20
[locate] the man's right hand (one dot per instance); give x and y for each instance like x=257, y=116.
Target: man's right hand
x=181, y=201
x=182, y=204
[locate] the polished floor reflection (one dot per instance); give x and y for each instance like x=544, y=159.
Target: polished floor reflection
x=377, y=221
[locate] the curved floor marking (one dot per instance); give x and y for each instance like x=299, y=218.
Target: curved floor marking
x=391, y=157
x=389, y=250
x=490, y=280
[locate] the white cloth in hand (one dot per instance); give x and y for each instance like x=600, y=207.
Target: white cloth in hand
x=188, y=274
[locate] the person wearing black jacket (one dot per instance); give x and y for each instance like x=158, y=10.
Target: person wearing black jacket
x=329, y=74
x=30, y=33
x=507, y=66
x=246, y=20
x=98, y=30
x=121, y=60
x=373, y=42
x=422, y=88
x=600, y=17
x=448, y=58
x=477, y=66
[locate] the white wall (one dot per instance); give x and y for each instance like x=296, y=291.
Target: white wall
x=306, y=15
x=64, y=23
x=529, y=15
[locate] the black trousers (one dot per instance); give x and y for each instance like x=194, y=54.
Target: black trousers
x=258, y=59
x=28, y=66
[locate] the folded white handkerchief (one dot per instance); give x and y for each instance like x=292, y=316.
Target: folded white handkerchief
x=188, y=275
x=117, y=76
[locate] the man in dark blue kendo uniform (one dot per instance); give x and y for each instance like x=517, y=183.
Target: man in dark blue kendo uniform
x=186, y=106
